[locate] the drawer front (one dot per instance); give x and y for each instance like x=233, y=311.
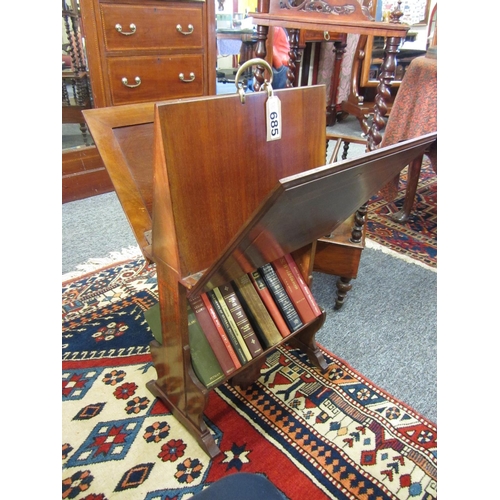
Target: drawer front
x=129, y=27
x=155, y=78
x=319, y=36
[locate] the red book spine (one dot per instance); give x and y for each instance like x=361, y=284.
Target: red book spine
x=293, y=290
x=220, y=330
x=300, y=280
x=268, y=300
x=212, y=335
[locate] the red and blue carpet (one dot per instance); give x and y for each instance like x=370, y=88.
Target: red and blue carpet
x=416, y=238
x=332, y=435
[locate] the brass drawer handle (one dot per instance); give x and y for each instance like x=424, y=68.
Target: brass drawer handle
x=191, y=77
x=137, y=82
x=133, y=27
x=190, y=28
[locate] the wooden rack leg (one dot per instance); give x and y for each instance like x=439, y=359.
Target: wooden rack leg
x=195, y=401
x=177, y=385
x=306, y=342
x=247, y=377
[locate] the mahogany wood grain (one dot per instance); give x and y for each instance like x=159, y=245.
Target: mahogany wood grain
x=83, y=174
x=305, y=340
x=156, y=51
x=337, y=254
x=156, y=26
x=160, y=77
x=124, y=138
x=218, y=184
x=332, y=25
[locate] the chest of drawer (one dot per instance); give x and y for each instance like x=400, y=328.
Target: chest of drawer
x=140, y=28
x=155, y=78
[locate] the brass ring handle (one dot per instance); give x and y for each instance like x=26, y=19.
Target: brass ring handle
x=244, y=67
x=190, y=28
x=133, y=27
x=326, y=35
x=137, y=82
x=183, y=79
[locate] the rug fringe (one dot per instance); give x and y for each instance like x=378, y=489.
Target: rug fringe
x=377, y=246
x=93, y=264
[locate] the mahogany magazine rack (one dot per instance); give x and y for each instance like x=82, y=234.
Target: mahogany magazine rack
x=209, y=199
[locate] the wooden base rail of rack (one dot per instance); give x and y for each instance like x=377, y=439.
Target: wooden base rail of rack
x=226, y=201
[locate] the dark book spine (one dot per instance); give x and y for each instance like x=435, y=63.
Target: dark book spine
x=293, y=290
x=213, y=337
x=256, y=311
x=281, y=298
x=228, y=328
x=264, y=293
x=241, y=319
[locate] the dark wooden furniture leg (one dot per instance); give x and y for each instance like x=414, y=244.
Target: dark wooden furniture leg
x=411, y=188
x=260, y=52
x=387, y=72
x=331, y=109
x=294, y=58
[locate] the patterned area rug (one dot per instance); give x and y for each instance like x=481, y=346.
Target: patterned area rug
x=332, y=435
x=416, y=238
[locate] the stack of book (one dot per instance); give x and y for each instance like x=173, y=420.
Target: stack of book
x=232, y=324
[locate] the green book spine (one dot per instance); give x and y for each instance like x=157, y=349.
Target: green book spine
x=152, y=316
x=205, y=364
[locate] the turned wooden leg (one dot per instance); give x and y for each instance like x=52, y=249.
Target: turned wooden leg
x=411, y=189
x=260, y=52
x=292, y=74
x=343, y=286
x=364, y=124
x=387, y=72
x=346, y=150
x=331, y=109
x=359, y=223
